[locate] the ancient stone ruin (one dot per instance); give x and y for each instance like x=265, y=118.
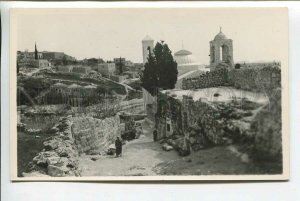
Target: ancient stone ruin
x=224, y=107
x=73, y=136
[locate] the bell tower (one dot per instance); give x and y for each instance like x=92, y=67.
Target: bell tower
x=147, y=42
x=221, y=51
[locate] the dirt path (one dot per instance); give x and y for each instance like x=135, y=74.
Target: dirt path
x=139, y=158
x=145, y=157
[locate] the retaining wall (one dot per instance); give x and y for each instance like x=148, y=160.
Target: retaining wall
x=93, y=136
x=261, y=79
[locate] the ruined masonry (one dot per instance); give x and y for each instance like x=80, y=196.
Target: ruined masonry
x=73, y=136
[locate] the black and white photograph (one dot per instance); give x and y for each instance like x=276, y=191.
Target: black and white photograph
x=149, y=94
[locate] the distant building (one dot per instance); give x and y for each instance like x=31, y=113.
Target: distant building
x=81, y=69
x=38, y=59
x=147, y=44
x=137, y=67
x=40, y=63
x=118, y=78
x=57, y=56
x=221, y=51
x=74, y=69
x=122, y=65
x=131, y=74
x=65, y=69
x=28, y=55
x=107, y=69
x=186, y=62
x=149, y=100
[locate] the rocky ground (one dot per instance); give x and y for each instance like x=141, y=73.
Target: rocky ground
x=59, y=155
x=143, y=157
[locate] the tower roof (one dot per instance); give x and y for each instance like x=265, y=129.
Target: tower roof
x=147, y=38
x=220, y=35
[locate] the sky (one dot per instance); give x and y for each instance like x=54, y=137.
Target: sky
x=258, y=34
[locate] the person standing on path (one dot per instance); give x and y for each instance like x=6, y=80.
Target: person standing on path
x=155, y=135
x=118, y=145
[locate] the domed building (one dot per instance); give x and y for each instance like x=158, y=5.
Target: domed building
x=184, y=57
x=187, y=66
x=186, y=62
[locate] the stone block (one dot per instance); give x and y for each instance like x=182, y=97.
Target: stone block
x=55, y=171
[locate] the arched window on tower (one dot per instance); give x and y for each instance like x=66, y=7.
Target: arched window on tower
x=212, y=54
x=225, y=54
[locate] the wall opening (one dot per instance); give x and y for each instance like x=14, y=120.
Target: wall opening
x=212, y=54
x=224, y=52
x=221, y=53
x=168, y=127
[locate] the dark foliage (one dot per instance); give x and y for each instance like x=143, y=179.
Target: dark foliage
x=237, y=66
x=160, y=70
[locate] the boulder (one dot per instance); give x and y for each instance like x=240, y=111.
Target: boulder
x=65, y=151
x=42, y=157
x=53, y=160
x=54, y=129
x=182, y=147
x=94, y=158
x=32, y=131
x=167, y=147
x=93, y=152
x=34, y=174
x=55, y=171
x=51, y=144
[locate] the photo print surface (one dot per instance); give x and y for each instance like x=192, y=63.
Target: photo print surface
x=149, y=94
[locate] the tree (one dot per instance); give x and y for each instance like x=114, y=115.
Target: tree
x=64, y=60
x=237, y=66
x=160, y=69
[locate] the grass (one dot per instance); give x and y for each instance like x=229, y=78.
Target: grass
x=27, y=148
x=29, y=145
x=45, y=123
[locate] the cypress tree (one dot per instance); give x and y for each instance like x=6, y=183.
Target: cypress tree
x=160, y=69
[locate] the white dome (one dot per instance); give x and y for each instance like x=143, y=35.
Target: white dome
x=183, y=57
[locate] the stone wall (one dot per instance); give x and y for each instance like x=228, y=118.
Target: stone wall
x=92, y=135
x=205, y=117
x=188, y=117
x=59, y=156
x=268, y=128
x=201, y=123
x=209, y=79
x=255, y=79
x=73, y=136
x=261, y=79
